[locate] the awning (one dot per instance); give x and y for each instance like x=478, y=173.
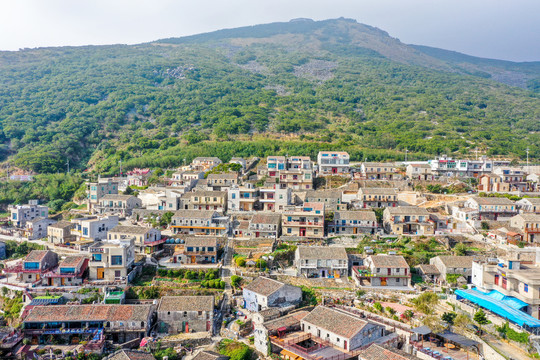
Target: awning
x=498, y=307
x=422, y=330
x=458, y=339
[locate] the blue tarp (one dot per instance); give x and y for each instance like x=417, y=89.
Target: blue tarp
x=508, y=300
x=499, y=307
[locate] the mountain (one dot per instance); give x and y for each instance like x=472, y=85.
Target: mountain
x=278, y=88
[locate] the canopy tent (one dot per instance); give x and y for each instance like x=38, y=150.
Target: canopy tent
x=508, y=300
x=506, y=309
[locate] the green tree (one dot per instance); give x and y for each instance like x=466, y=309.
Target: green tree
x=480, y=317
x=449, y=317
x=460, y=249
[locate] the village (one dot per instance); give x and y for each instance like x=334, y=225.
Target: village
x=283, y=257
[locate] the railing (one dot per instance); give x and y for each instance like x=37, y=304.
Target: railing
x=303, y=223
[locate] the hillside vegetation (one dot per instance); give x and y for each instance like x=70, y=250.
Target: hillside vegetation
x=285, y=88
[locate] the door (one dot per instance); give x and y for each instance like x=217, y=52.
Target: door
x=334, y=170
x=355, y=230
x=383, y=281
x=193, y=259
x=345, y=344
x=100, y=273
x=63, y=281
x=302, y=232
x=257, y=234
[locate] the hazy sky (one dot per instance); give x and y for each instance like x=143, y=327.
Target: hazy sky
x=502, y=29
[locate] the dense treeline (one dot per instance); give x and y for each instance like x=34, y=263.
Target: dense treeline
x=158, y=104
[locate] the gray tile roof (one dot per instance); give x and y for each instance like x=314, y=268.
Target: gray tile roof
x=377, y=191
x=335, y=321
x=209, y=355
x=407, y=210
x=266, y=218
x=264, y=286
x=456, y=261
x=194, y=214
x=389, y=261
x=186, y=303
x=322, y=252
x=428, y=269
x=36, y=255
x=378, y=352
x=125, y=354
x=125, y=229
x=492, y=200
x=364, y=215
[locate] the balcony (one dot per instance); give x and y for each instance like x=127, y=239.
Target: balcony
x=303, y=223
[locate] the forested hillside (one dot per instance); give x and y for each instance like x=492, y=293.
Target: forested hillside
x=291, y=88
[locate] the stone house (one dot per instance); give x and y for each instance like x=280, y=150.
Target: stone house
x=263, y=293
x=60, y=233
x=177, y=314
x=455, y=265
x=352, y=223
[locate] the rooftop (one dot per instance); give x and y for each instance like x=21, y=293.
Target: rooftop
x=116, y=197
x=407, y=210
x=209, y=355
x=72, y=261
x=36, y=255
x=266, y=218
x=286, y=321
x=194, y=214
x=492, y=200
x=322, y=252
x=389, y=261
x=135, y=230
x=62, y=225
x=335, y=321
x=95, y=312
x=451, y=261
x=201, y=241
x=377, y=191
x=186, y=303
x=228, y=176
x=378, y=352
x=428, y=269
x=365, y=215
x=125, y=354
x=264, y=286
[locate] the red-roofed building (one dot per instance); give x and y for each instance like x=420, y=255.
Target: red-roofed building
x=70, y=272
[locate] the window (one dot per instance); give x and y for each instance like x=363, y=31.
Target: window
x=116, y=260
x=525, y=287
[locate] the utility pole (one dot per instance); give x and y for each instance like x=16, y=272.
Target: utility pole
x=67, y=163
x=406, y=151
x=120, y=162
x=476, y=150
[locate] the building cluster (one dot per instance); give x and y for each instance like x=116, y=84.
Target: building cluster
x=200, y=217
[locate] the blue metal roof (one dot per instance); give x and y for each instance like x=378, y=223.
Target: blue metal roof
x=499, y=306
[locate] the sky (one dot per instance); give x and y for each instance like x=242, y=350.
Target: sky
x=499, y=29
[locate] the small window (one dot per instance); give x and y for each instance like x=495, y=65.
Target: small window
x=526, y=287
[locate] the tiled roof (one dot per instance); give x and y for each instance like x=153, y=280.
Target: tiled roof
x=335, y=321
x=378, y=164
x=262, y=218
x=407, y=210
x=209, y=355
x=365, y=215
x=228, y=176
x=533, y=201
x=62, y=225
x=378, y=191
x=322, y=252
x=72, y=261
x=492, y=200
x=194, y=214
x=124, y=229
x=206, y=158
x=389, y=261
x=456, y=261
x=422, y=166
x=201, y=241
x=125, y=354
x=264, y=286
x=324, y=194
x=36, y=255
x=428, y=269
x=314, y=205
x=206, y=193
x=286, y=321
x=186, y=303
x=98, y=312
x=530, y=217
x=116, y=197
x=378, y=352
